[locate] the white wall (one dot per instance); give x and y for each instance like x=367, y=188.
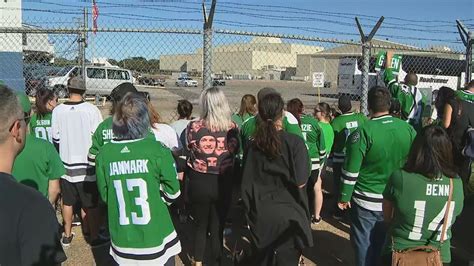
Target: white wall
x=11, y=57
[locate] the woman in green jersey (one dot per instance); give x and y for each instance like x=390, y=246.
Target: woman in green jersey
x=40, y=123
x=247, y=109
x=415, y=198
x=315, y=144
x=322, y=112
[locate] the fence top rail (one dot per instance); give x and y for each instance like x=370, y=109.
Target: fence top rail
x=285, y=36
x=401, y=47
x=79, y=30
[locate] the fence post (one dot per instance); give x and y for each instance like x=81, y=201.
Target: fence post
x=365, y=40
x=467, y=39
x=365, y=78
x=207, y=46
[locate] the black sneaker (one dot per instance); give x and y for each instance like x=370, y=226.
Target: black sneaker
x=315, y=221
x=99, y=242
x=66, y=240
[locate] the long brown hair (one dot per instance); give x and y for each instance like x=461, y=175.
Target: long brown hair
x=43, y=96
x=270, y=110
x=431, y=154
x=325, y=110
x=247, y=105
x=295, y=107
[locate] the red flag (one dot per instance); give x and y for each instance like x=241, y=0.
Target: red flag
x=95, y=15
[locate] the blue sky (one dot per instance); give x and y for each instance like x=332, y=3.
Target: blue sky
x=422, y=23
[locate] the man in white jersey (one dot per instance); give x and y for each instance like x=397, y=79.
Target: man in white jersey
x=73, y=124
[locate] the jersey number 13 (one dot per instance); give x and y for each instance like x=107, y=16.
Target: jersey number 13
x=140, y=201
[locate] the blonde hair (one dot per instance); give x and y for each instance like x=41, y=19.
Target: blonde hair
x=215, y=110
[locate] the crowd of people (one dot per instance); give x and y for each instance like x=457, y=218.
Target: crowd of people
x=399, y=178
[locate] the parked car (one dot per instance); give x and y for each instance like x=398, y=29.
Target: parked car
x=99, y=79
x=186, y=82
x=149, y=81
x=218, y=82
x=35, y=76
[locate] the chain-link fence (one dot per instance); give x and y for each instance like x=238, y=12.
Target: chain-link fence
x=169, y=62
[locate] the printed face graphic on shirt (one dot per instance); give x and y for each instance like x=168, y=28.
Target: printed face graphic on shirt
x=220, y=146
x=212, y=161
x=232, y=145
x=200, y=165
x=196, y=126
x=207, y=144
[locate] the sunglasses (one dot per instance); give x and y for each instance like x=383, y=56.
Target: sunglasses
x=24, y=118
x=317, y=111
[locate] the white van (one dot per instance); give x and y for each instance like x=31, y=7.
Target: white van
x=99, y=79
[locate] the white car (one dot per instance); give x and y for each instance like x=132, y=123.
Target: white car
x=99, y=79
x=186, y=82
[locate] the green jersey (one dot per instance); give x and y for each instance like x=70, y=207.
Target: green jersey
x=40, y=127
x=419, y=207
x=102, y=135
x=137, y=180
x=37, y=164
x=328, y=137
x=239, y=119
x=412, y=101
x=374, y=151
x=465, y=95
x=343, y=126
x=314, y=140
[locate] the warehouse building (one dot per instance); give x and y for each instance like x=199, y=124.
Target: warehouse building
x=262, y=57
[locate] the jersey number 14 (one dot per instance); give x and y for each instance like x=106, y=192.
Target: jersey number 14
x=140, y=201
x=434, y=225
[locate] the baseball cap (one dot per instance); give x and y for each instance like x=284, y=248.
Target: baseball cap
x=344, y=103
x=76, y=83
x=24, y=101
x=121, y=90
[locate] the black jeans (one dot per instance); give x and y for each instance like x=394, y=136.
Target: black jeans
x=210, y=197
x=313, y=178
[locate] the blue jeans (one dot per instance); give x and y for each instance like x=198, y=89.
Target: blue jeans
x=368, y=233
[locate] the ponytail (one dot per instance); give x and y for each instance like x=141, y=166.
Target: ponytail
x=270, y=110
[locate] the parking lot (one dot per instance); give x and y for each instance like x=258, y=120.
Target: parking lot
x=165, y=98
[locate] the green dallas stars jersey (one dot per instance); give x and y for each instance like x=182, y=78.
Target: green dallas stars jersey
x=37, y=164
x=412, y=101
x=137, y=179
x=290, y=125
x=420, y=205
x=102, y=135
x=314, y=140
x=40, y=127
x=374, y=151
x=343, y=126
x=465, y=95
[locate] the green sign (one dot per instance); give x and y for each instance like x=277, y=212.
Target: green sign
x=395, y=64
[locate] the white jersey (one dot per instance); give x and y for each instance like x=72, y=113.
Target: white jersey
x=166, y=135
x=72, y=126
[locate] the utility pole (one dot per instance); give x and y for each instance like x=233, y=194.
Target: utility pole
x=366, y=61
x=83, y=44
x=468, y=41
x=207, y=46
